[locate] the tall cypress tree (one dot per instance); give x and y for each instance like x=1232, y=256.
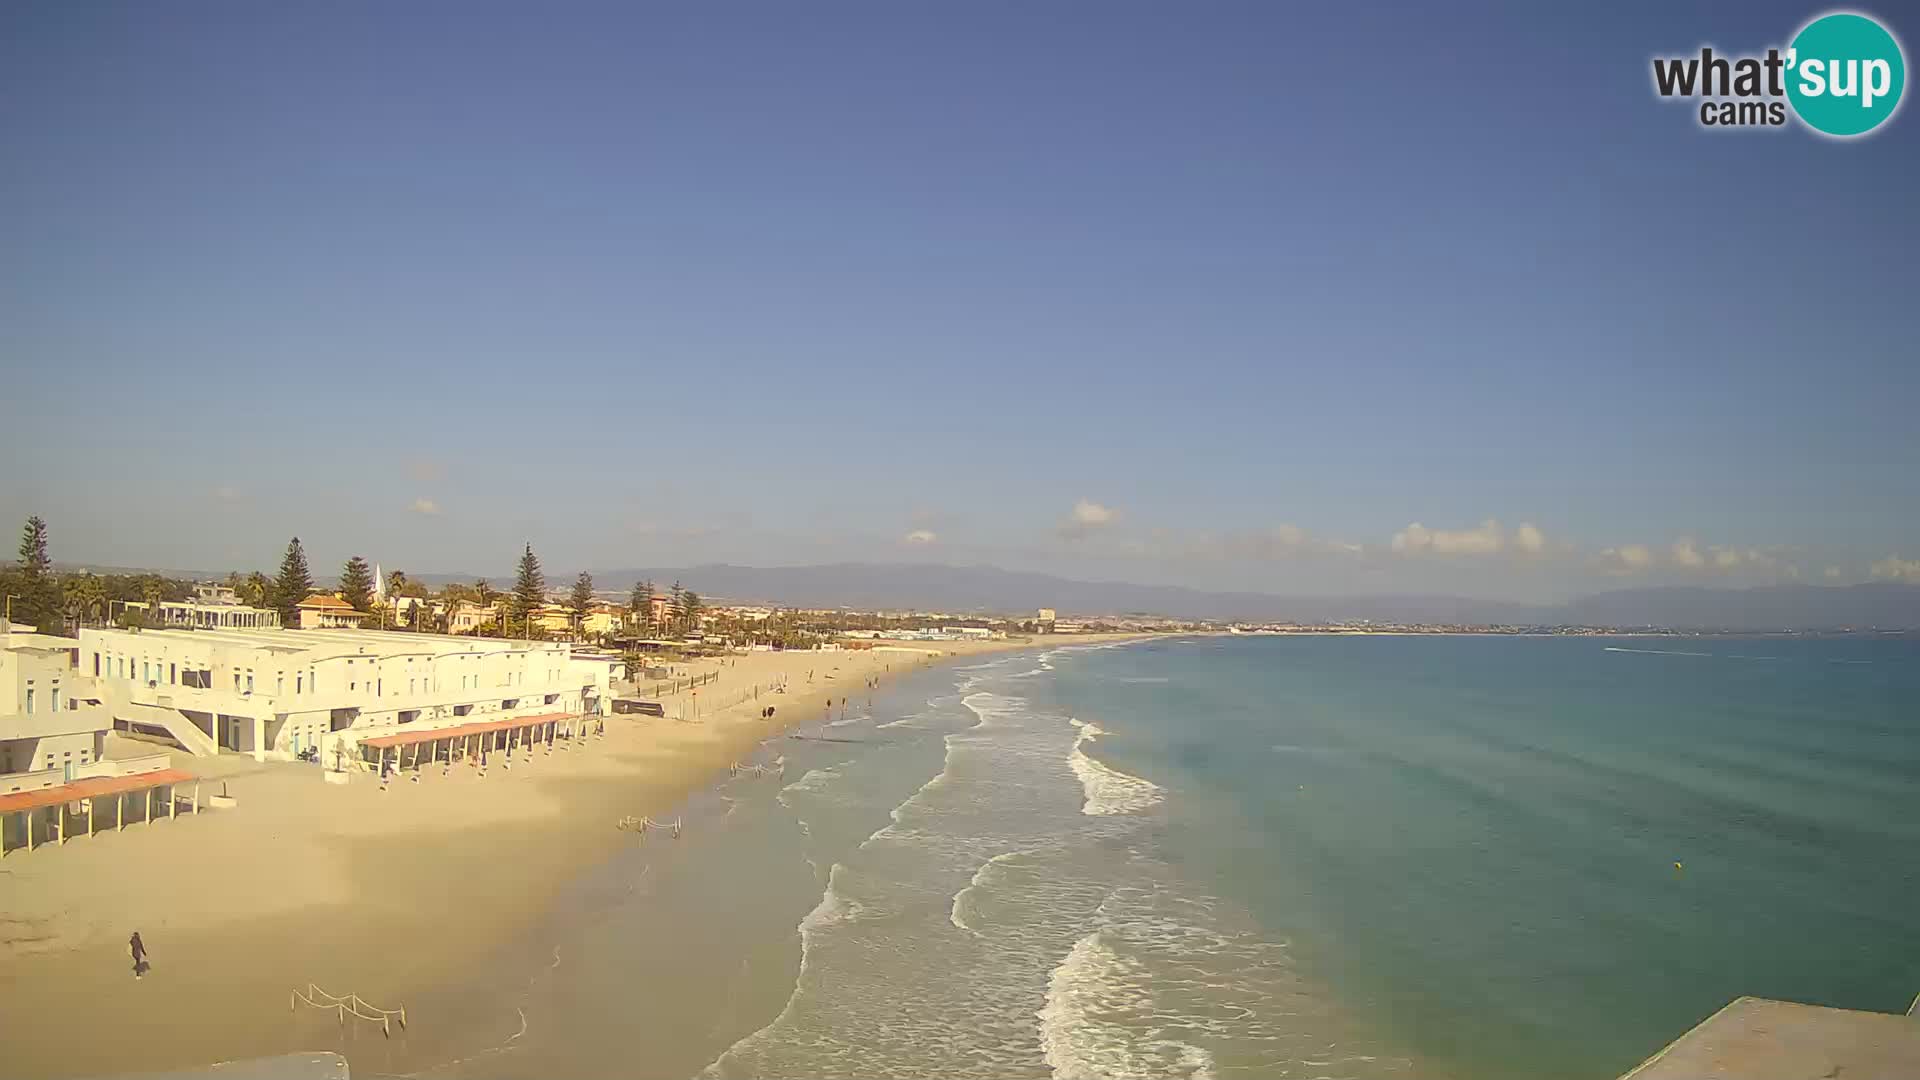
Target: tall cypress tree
x=640, y=604
x=293, y=584
x=529, y=589
x=581, y=599
x=356, y=584
x=39, y=600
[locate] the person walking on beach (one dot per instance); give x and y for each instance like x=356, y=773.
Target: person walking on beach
x=139, y=950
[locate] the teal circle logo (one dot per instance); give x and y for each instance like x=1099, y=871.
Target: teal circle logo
x=1845, y=73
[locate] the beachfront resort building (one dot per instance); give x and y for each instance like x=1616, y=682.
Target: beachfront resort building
x=276, y=694
x=49, y=717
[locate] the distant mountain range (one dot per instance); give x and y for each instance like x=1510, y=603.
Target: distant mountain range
x=987, y=589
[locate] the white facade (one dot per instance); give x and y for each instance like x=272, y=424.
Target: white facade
x=48, y=717
x=215, y=615
x=276, y=693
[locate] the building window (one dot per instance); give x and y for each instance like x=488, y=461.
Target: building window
x=279, y=684
x=298, y=681
x=29, y=700
x=54, y=699
x=249, y=682
x=236, y=682
x=173, y=674
x=96, y=665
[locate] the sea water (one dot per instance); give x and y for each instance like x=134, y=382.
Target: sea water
x=1476, y=857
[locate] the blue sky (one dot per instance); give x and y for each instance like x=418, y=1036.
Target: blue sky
x=1229, y=295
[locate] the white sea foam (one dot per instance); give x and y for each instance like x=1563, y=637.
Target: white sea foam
x=813, y=781
x=833, y=909
x=1079, y=1034
x=959, y=913
x=1107, y=789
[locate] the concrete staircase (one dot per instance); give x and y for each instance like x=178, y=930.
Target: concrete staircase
x=172, y=721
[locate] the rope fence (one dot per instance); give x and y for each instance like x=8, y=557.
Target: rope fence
x=777, y=768
x=352, y=1003
x=644, y=825
x=674, y=686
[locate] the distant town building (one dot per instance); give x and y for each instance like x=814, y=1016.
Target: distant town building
x=213, y=614
x=1045, y=620
x=324, y=611
x=468, y=617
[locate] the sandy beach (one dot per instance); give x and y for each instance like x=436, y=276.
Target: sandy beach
x=392, y=894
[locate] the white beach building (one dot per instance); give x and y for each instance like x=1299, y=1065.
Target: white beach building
x=48, y=719
x=275, y=693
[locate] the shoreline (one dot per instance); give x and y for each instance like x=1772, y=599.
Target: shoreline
x=394, y=895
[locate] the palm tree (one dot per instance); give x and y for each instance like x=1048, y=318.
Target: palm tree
x=256, y=589
x=83, y=596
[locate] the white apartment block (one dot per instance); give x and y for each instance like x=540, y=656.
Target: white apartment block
x=275, y=693
x=48, y=718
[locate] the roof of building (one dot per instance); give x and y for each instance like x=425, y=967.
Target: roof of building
x=336, y=641
x=92, y=787
x=326, y=601
x=408, y=738
x=34, y=640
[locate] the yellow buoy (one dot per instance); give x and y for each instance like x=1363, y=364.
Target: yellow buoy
x=1677, y=866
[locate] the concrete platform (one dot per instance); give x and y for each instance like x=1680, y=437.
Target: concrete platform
x=316, y=1065
x=1759, y=1039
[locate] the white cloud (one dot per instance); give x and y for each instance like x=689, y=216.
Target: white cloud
x=1091, y=514
x=1529, y=539
x=424, y=506
x=1626, y=559
x=920, y=537
x=1687, y=555
x=1086, y=517
x=1487, y=538
x=1830, y=572
x=1897, y=569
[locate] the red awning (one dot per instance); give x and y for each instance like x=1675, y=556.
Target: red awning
x=92, y=787
x=408, y=738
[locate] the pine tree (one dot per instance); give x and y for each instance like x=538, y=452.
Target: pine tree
x=581, y=598
x=356, y=584
x=39, y=599
x=293, y=584
x=529, y=590
x=690, y=609
x=676, y=604
x=640, y=604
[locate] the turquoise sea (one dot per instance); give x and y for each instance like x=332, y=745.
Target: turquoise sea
x=1476, y=858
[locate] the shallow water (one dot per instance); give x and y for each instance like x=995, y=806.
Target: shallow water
x=1292, y=857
